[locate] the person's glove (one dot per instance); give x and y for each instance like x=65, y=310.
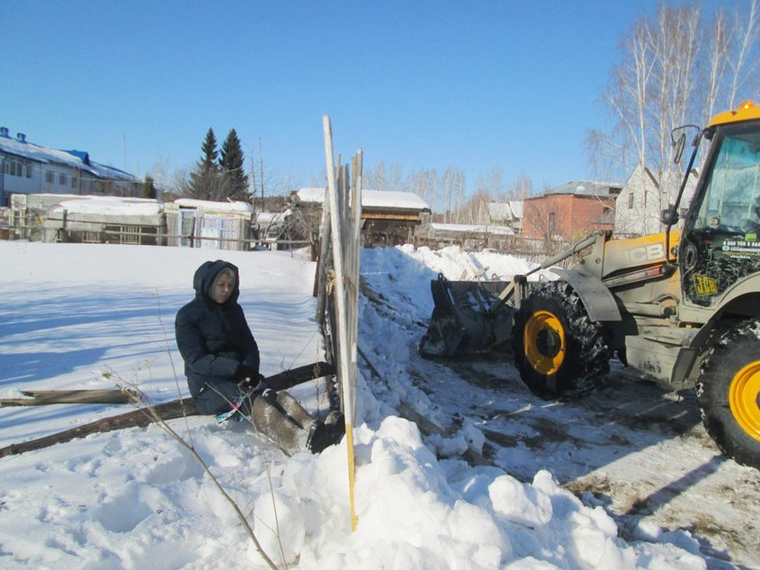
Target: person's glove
x=257, y=386
x=262, y=389
x=261, y=385
x=248, y=373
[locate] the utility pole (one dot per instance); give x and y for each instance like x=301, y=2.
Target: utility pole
x=261, y=173
x=253, y=179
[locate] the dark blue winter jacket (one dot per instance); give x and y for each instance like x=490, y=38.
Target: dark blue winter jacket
x=214, y=340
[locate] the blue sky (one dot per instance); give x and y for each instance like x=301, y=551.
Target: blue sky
x=473, y=85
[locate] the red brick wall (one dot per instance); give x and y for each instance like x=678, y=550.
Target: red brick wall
x=572, y=216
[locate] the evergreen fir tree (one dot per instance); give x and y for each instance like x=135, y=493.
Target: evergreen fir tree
x=205, y=180
x=231, y=162
x=149, y=188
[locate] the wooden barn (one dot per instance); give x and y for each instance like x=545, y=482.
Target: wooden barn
x=388, y=218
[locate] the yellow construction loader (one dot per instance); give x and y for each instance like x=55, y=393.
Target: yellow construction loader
x=682, y=306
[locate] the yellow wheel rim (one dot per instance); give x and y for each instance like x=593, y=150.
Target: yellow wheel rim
x=544, y=342
x=743, y=397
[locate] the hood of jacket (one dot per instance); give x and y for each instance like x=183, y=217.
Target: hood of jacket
x=205, y=276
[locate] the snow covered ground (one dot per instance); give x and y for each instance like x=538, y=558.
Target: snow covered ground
x=654, y=492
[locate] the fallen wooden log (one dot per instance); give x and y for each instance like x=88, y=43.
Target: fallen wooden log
x=137, y=418
x=46, y=397
x=167, y=411
x=296, y=376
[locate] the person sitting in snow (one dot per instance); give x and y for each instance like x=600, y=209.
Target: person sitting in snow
x=222, y=366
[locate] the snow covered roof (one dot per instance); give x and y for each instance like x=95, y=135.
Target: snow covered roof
x=232, y=207
x=110, y=206
x=272, y=217
x=499, y=210
x=108, y=209
x=513, y=209
x=587, y=188
x=474, y=228
x=517, y=208
x=71, y=158
x=371, y=199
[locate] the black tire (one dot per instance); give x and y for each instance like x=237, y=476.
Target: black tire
x=558, y=350
x=728, y=392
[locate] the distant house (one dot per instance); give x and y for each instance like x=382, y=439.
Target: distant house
x=570, y=211
x=272, y=227
x=388, y=218
x=644, y=196
x=508, y=214
x=27, y=168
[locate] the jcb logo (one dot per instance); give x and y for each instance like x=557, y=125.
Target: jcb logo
x=705, y=286
x=646, y=253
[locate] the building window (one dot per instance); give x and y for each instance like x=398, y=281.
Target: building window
x=63, y=179
x=16, y=167
x=630, y=201
x=74, y=181
x=552, y=223
x=28, y=170
x=49, y=177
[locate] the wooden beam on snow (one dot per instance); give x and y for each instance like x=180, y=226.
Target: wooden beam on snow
x=45, y=397
x=143, y=417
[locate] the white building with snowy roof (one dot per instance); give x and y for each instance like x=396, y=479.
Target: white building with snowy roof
x=28, y=168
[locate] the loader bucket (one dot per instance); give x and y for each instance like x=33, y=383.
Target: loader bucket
x=462, y=321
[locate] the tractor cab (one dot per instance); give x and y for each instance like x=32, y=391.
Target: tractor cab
x=720, y=243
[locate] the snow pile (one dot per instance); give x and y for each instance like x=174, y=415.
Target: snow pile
x=134, y=498
x=482, y=228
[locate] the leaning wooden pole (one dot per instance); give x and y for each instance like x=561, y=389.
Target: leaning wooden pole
x=343, y=356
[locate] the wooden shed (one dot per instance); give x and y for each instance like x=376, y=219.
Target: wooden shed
x=209, y=225
x=388, y=218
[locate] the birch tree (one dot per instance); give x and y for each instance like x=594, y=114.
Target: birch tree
x=384, y=177
x=453, y=192
x=731, y=58
x=674, y=68
x=426, y=184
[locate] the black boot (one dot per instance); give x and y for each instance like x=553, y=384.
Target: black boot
x=327, y=433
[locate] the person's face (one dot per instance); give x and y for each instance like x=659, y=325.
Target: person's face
x=223, y=288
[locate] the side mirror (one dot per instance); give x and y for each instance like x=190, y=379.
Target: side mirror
x=679, y=142
x=678, y=147
x=669, y=216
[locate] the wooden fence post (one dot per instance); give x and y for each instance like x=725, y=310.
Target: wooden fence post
x=345, y=265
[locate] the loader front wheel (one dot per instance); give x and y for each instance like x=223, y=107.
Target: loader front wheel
x=558, y=350
x=728, y=392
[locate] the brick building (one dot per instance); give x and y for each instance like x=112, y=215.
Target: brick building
x=570, y=211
